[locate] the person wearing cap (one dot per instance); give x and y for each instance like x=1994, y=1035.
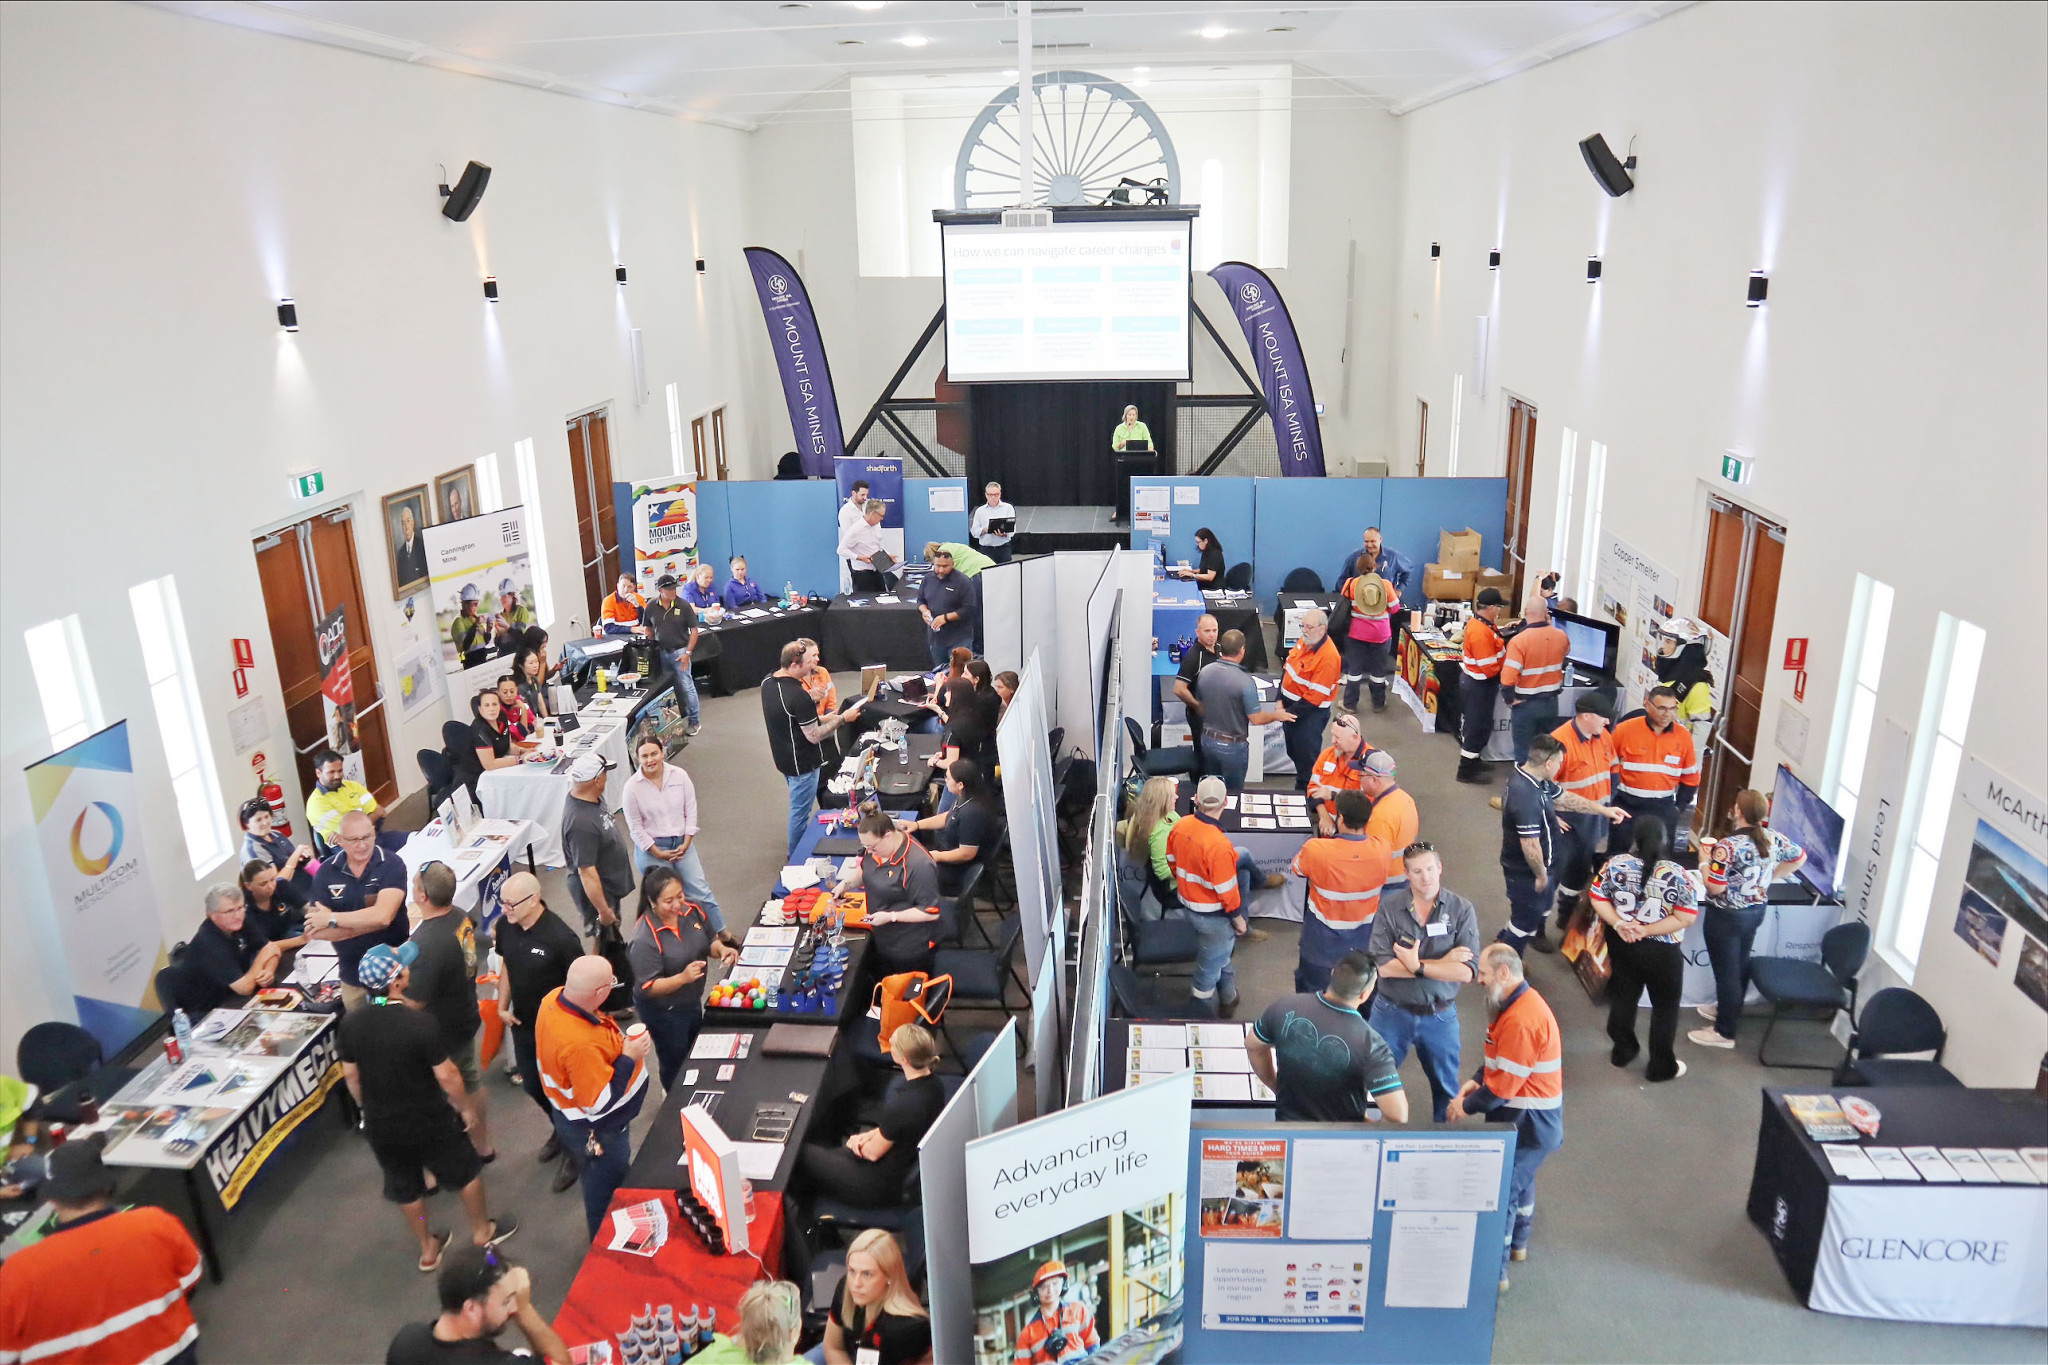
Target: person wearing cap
x=1230, y=708
x=479, y=1292
x=1532, y=671
x=1395, y=822
x=741, y=591
x=1308, y=683
x=671, y=950
x=416, y=1112
x=993, y=544
x=860, y=542
x=229, y=959
x=1589, y=771
x=1213, y=877
x=595, y=1078
x=620, y=612
x=358, y=902
x=660, y=805
x=260, y=839
x=104, y=1284
x=1479, y=683
x=442, y=981
x=1199, y=656
x=1339, y=768
x=1322, y=1061
x=1657, y=767
x=1425, y=943
x=334, y=795
x=950, y=606
x=672, y=624
x=1058, y=1331
x=902, y=885
x=600, y=873
x=1345, y=872
x=535, y=947
x=466, y=632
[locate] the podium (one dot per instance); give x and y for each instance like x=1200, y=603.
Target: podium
x=1129, y=464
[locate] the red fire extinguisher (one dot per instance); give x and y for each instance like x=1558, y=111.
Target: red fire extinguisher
x=271, y=795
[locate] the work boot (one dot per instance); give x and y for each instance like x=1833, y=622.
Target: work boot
x=565, y=1177
x=550, y=1149
x=1493, y=801
x=1471, y=769
x=1542, y=944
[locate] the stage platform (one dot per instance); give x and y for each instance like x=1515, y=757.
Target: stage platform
x=1042, y=530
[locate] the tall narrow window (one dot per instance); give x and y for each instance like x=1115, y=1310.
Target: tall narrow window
x=675, y=434
x=1457, y=416
x=1561, y=530
x=490, y=485
x=1870, y=619
x=71, y=704
x=1931, y=782
x=1595, y=501
x=529, y=497
x=167, y=665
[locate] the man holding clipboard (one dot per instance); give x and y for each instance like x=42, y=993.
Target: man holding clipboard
x=994, y=525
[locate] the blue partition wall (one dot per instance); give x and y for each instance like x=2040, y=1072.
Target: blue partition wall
x=1225, y=508
x=1312, y=524
x=921, y=524
x=1417, y=510
x=714, y=532
x=788, y=530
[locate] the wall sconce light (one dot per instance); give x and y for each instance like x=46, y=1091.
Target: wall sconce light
x=288, y=315
x=619, y=274
x=1592, y=270
x=491, y=288
x=700, y=265
x=1759, y=288
x=1493, y=259
x=1436, y=250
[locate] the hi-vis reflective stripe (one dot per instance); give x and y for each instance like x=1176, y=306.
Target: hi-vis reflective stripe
x=1188, y=876
x=120, y=1322
x=1534, y=1102
x=564, y=1099
x=1482, y=669
x=1517, y=1069
x=1598, y=779
x=1329, y=895
x=1309, y=691
x=1664, y=768
x=1647, y=793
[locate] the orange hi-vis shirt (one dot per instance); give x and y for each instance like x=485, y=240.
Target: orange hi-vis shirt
x=1344, y=876
x=1654, y=766
x=1534, y=663
x=1525, y=1054
x=584, y=1069
x=1396, y=823
x=1204, y=864
x=1339, y=773
x=1312, y=675
x=108, y=1287
x=1589, y=764
x=1483, y=650
x=623, y=611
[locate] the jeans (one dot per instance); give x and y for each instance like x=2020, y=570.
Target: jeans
x=1321, y=946
x=690, y=868
x=1730, y=934
x=1522, y=1198
x=1370, y=662
x=674, y=1031
x=602, y=1172
x=1227, y=759
x=1304, y=736
x=1476, y=698
x=1435, y=1039
x=1215, y=940
x=686, y=686
x=529, y=1067
x=1530, y=717
x=1659, y=967
x=803, y=794
x=1527, y=907
x=999, y=553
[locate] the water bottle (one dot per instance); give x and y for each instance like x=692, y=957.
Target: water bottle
x=182, y=1026
x=788, y=592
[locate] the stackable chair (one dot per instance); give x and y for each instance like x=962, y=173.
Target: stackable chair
x=1896, y=1021
x=1819, y=989
x=1172, y=762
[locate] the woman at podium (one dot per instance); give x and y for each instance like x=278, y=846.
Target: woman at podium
x=1130, y=429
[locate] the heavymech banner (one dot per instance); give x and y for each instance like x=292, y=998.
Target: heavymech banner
x=89, y=817
x=799, y=347
x=1283, y=371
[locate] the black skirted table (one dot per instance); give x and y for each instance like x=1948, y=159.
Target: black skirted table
x=741, y=650
x=1240, y=611
x=859, y=630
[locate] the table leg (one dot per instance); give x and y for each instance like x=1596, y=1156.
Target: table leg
x=207, y=1251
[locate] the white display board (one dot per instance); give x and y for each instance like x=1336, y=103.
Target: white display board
x=1027, y=793
x=985, y=1103
x=1629, y=588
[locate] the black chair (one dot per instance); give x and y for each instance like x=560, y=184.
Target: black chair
x=440, y=775
x=1168, y=941
x=1133, y=1001
x=845, y=1218
x=1239, y=577
x=1894, y=1021
x=1054, y=738
x=458, y=746
x=1158, y=762
x=52, y=1055
x=174, y=989
x=958, y=908
x=1302, y=580
x=1823, y=987
x=982, y=976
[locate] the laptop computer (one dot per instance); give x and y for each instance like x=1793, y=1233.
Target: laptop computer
x=883, y=561
x=1137, y=446
x=1001, y=526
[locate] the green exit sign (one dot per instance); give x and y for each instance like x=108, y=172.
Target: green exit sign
x=1737, y=468
x=308, y=485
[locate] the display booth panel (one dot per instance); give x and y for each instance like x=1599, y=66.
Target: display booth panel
x=1310, y=524
x=788, y=530
x=1415, y=511
x=922, y=524
x=1222, y=505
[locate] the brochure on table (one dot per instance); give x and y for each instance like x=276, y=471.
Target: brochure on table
x=1325, y=1243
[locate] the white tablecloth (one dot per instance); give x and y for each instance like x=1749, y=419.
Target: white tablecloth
x=494, y=844
x=536, y=792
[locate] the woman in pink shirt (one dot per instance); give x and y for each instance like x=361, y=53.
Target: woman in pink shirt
x=661, y=818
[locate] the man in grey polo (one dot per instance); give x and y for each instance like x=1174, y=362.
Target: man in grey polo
x=1425, y=942
x=1229, y=697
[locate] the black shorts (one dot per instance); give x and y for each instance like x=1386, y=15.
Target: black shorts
x=446, y=1151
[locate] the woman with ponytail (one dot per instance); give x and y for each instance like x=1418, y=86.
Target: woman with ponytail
x=1740, y=869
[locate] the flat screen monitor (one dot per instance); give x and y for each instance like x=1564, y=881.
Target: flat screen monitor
x=1067, y=302
x=1798, y=813
x=1594, y=644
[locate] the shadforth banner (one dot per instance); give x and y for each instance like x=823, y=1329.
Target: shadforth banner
x=799, y=348
x=1283, y=373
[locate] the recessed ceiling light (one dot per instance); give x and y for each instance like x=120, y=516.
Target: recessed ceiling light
x=868, y=4
x=913, y=40
x=1141, y=70
x=1009, y=75
x=853, y=42
x=1215, y=31
x=1281, y=28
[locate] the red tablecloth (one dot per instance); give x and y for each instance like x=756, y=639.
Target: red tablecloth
x=612, y=1286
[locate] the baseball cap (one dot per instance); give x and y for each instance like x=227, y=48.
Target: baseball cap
x=382, y=964
x=667, y=580
x=588, y=765
x=76, y=1171
x=1490, y=597
x=1594, y=704
x=1210, y=791
x=1381, y=762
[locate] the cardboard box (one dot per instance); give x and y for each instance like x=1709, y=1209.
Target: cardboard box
x=1493, y=578
x=1458, y=550
x=1448, y=585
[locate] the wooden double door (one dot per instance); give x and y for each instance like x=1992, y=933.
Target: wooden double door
x=1739, y=598
x=597, y=518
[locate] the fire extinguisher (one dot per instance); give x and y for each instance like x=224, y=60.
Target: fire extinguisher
x=271, y=795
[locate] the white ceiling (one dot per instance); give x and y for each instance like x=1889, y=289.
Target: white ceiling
x=747, y=62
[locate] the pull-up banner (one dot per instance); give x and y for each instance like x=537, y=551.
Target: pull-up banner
x=799, y=348
x=1283, y=372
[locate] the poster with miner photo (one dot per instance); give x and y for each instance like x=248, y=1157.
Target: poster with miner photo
x=480, y=571
x=1076, y=1228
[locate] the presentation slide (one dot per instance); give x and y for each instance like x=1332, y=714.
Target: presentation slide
x=1072, y=301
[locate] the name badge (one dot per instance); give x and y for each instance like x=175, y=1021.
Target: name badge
x=867, y=1355
x=1441, y=927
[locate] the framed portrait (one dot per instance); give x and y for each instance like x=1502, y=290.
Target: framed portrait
x=405, y=525
x=455, y=495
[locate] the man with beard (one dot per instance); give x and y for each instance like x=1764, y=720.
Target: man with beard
x=1520, y=1082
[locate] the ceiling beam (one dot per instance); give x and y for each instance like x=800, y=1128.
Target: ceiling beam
x=1599, y=31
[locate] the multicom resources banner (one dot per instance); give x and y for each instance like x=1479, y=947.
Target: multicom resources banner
x=799, y=347
x=89, y=816
x=1283, y=371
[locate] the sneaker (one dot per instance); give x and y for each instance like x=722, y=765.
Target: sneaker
x=1621, y=1057
x=550, y=1149
x=1503, y=1284
x=1257, y=935
x=695, y=726
x=1226, y=1006
x=1707, y=1037
x=1707, y=1012
x=502, y=1228
x=1678, y=1073
x=1275, y=880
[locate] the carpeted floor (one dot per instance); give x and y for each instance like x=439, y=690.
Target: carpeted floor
x=1641, y=1253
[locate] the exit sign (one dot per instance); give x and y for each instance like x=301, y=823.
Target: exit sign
x=1737, y=468
x=308, y=485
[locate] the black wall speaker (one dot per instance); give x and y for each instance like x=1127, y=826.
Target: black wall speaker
x=462, y=200
x=1612, y=174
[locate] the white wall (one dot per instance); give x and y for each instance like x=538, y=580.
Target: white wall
x=1886, y=164
x=163, y=180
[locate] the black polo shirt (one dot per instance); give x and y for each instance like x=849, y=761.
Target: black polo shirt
x=943, y=596
x=215, y=960
x=657, y=950
x=786, y=708
x=669, y=625
x=1526, y=812
x=1191, y=665
x=286, y=917
x=340, y=889
x=498, y=741
x=969, y=823
x=535, y=960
